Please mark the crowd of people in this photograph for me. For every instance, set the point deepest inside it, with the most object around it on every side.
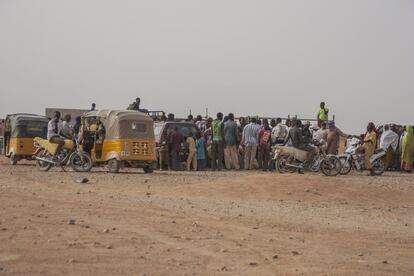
(247, 142)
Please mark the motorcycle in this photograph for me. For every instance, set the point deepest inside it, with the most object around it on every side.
(290, 159)
(70, 154)
(354, 159)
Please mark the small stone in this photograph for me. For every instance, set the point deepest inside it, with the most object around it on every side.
(360, 254)
(275, 257)
(113, 229)
(71, 261)
(3, 229)
(72, 222)
(385, 262)
(148, 194)
(253, 264)
(224, 268)
(42, 205)
(295, 253)
(109, 247)
(83, 181)
(142, 274)
(106, 230)
(174, 222)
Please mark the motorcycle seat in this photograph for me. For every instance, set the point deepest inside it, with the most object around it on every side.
(52, 147)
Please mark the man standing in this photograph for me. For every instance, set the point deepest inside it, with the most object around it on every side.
(264, 146)
(192, 153)
(176, 140)
(231, 138)
(250, 139)
(217, 149)
(389, 142)
(93, 107)
(334, 135)
(322, 114)
(279, 132)
(66, 127)
(201, 124)
(54, 127)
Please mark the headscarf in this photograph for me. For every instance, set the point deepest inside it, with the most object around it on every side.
(370, 127)
(408, 145)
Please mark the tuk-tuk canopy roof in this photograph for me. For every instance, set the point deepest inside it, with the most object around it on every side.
(15, 118)
(15, 122)
(124, 124)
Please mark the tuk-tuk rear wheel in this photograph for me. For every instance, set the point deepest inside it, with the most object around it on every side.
(114, 166)
(148, 170)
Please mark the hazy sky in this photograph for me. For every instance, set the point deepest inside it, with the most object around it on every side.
(259, 57)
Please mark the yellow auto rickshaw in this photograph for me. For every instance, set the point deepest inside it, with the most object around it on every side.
(19, 131)
(119, 138)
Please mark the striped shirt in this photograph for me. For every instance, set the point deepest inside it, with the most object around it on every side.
(251, 134)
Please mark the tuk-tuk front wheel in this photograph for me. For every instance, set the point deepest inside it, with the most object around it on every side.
(14, 159)
(114, 166)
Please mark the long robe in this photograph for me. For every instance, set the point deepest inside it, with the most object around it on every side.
(407, 149)
(370, 142)
(333, 140)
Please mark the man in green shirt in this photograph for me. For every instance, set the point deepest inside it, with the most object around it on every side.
(322, 114)
(217, 147)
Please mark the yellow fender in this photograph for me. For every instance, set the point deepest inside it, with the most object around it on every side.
(112, 155)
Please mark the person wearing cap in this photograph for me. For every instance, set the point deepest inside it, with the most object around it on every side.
(334, 135)
(322, 115)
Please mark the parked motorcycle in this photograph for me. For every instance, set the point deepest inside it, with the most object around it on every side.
(70, 154)
(353, 159)
(289, 159)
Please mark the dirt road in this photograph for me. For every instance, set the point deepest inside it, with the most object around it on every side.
(228, 223)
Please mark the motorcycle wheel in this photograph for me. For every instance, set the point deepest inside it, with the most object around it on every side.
(41, 165)
(81, 162)
(378, 167)
(346, 165)
(331, 166)
(314, 167)
(281, 167)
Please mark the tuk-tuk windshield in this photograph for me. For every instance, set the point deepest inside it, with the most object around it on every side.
(29, 129)
(135, 129)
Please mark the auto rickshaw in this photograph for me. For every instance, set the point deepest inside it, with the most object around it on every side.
(119, 138)
(19, 131)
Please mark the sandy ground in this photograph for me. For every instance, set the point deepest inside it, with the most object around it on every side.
(228, 223)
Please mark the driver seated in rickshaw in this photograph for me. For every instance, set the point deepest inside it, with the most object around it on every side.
(100, 132)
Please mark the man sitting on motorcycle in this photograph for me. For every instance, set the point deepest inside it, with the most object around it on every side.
(298, 141)
(54, 127)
